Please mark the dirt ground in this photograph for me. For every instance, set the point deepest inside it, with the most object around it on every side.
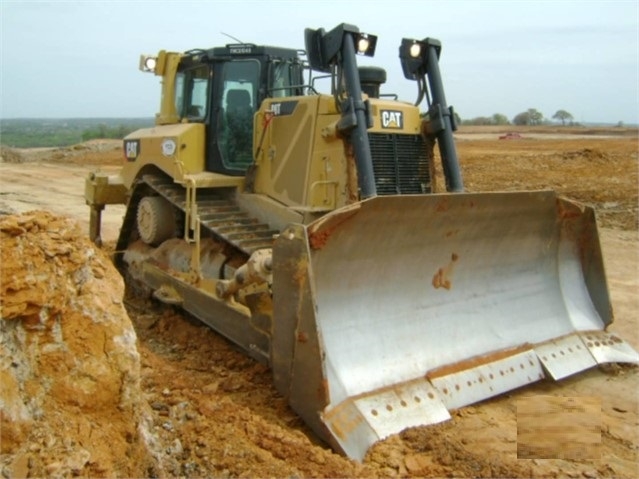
(216, 413)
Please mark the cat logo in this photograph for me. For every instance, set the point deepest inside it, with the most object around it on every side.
(283, 108)
(392, 119)
(131, 149)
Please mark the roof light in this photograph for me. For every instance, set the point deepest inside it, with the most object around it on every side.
(414, 56)
(365, 44)
(362, 45)
(148, 63)
(415, 50)
(322, 47)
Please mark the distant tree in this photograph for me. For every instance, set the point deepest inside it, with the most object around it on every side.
(529, 117)
(103, 131)
(563, 116)
(536, 117)
(122, 131)
(620, 124)
(522, 118)
(499, 119)
(479, 120)
(495, 119)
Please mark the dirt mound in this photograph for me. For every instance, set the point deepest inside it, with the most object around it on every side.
(602, 173)
(217, 411)
(69, 367)
(587, 154)
(103, 152)
(93, 152)
(9, 155)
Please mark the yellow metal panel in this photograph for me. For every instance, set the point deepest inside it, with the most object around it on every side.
(394, 117)
(167, 68)
(177, 149)
(285, 150)
(298, 165)
(326, 105)
(328, 175)
(304, 162)
(100, 189)
(208, 179)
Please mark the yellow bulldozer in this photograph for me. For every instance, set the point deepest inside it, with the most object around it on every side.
(306, 228)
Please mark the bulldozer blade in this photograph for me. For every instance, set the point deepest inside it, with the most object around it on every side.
(393, 311)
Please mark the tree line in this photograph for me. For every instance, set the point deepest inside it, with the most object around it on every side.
(530, 117)
(33, 132)
(103, 131)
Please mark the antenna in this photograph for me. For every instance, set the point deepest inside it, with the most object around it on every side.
(231, 37)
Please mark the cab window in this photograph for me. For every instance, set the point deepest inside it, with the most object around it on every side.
(191, 93)
(283, 76)
(238, 102)
(179, 93)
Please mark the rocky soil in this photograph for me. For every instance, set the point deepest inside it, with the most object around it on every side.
(70, 368)
(96, 386)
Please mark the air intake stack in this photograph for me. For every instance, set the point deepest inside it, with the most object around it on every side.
(370, 79)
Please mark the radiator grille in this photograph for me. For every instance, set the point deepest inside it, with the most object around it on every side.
(400, 163)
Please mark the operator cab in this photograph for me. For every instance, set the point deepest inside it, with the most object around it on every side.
(223, 88)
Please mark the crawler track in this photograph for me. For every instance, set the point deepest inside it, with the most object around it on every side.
(220, 217)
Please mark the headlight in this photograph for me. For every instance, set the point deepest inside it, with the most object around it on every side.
(415, 50)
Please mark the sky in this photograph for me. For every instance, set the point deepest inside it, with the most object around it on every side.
(74, 59)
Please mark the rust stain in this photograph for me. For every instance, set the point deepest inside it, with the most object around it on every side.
(318, 239)
(299, 271)
(442, 206)
(344, 419)
(441, 279)
(323, 391)
(475, 362)
(319, 233)
(568, 210)
(302, 337)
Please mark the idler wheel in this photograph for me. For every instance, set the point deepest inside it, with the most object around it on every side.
(155, 219)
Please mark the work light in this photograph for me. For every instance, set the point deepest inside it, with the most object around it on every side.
(415, 50)
(148, 63)
(366, 44)
(322, 47)
(414, 56)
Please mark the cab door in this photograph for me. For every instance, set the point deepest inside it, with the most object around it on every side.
(230, 146)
